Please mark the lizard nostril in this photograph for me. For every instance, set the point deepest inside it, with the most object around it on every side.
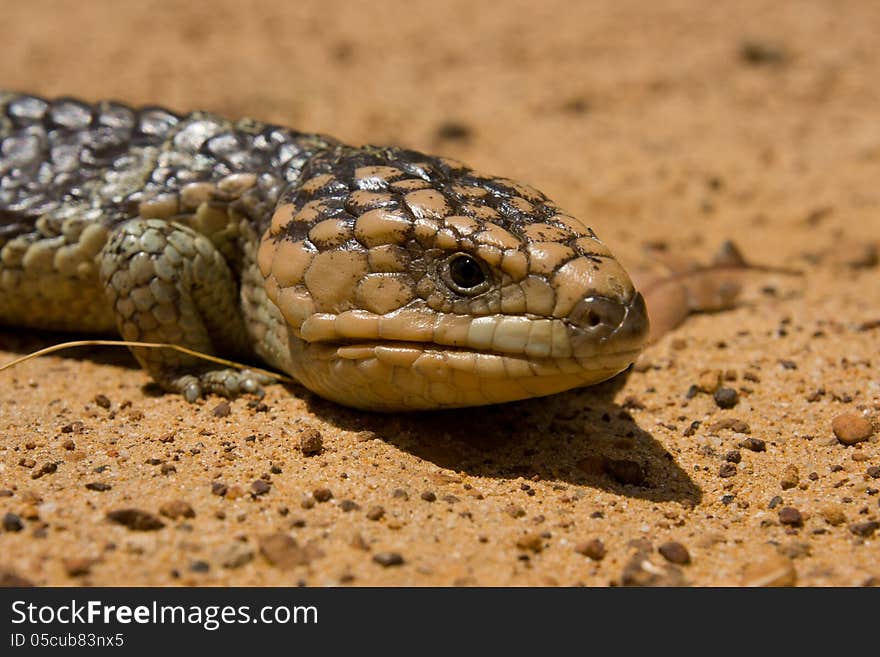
(598, 315)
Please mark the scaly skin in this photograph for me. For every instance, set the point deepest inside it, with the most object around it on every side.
(380, 278)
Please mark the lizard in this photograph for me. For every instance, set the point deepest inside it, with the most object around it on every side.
(378, 277)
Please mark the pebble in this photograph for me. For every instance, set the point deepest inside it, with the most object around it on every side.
(641, 571)
(260, 487)
(851, 428)
(532, 541)
(514, 511)
(5, 492)
(102, 400)
(709, 381)
(219, 489)
(726, 397)
(349, 505)
(795, 549)
(375, 513)
(753, 444)
(594, 549)
(727, 470)
(98, 486)
(10, 579)
(234, 493)
(429, 496)
(234, 555)
(873, 472)
(733, 456)
(177, 509)
(451, 130)
(675, 552)
(864, 529)
(74, 427)
(311, 442)
(200, 566)
(788, 515)
(776, 501)
(790, 477)
(282, 551)
(322, 494)
(46, 468)
(773, 571)
(223, 409)
(135, 519)
(833, 515)
(358, 542)
(387, 559)
(734, 424)
(78, 566)
(625, 471)
(69, 445)
(12, 523)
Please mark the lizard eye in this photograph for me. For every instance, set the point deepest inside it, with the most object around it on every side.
(464, 275)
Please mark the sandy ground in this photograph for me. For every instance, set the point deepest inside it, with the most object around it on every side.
(667, 124)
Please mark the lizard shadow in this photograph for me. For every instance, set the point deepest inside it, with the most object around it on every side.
(580, 437)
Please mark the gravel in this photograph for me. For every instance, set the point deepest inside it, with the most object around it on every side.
(78, 566)
(311, 442)
(675, 552)
(322, 494)
(864, 529)
(775, 571)
(851, 428)
(375, 513)
(833, 515)
(626, 472)
(533, 541)
(753, 444)
(388, 559)
(260, 487)
(790, 477)
(223, 409)
(594, 549)
(283, 552)
(726, 397)
(788, 515)
(135, 519)
(177, 509)
(12, 523)
(234, 555)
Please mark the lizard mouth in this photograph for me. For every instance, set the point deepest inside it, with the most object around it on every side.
(597, 329)
(411, 365)
(488, 364)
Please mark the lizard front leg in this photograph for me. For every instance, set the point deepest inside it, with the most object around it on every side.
(168, 283)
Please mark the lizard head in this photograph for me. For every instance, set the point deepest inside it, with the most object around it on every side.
(413, 282)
